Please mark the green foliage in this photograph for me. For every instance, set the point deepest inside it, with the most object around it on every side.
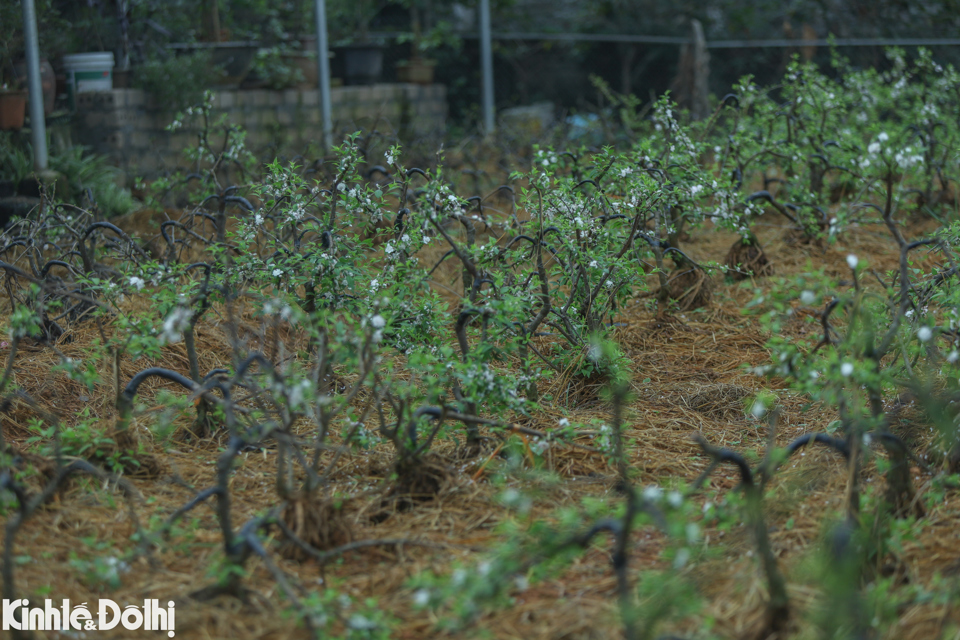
(176, 82)
(341, 261)
(103, 573)
(16, 162)
(85, 171)
(269, 66)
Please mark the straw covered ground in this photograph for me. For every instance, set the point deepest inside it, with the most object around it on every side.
(688, 375)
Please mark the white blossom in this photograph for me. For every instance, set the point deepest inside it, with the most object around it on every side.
(174, 325)
(853, 261)
(846, 369)
(924, 333)
(136, 282)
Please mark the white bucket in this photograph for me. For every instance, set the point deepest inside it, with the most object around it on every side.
(89, 72)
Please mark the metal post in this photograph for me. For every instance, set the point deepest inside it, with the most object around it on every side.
(486, 59)
(37, 124)
(323, 73)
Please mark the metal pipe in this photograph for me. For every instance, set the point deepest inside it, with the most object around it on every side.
(486, 59)
(779, 43)
(323, 73)
(38, 128)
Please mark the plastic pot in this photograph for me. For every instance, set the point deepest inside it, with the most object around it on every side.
(360, 63)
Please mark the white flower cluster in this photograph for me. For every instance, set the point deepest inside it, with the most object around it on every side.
(907, 158)
(296, 212)
(604, 438)
(929, 113)
(546, 159)
(276, 306)
(297, 392)
(681, 143)
(539, 445)
(378, 323)
(175, 324)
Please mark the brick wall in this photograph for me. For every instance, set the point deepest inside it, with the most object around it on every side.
(128, 127)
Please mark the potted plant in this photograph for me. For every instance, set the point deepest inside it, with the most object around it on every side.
(418, 69)
(48, 81)
(360, 61)
(13, 107)
(13, 98)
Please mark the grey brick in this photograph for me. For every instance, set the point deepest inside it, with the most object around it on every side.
(136, 98)
(259, 98)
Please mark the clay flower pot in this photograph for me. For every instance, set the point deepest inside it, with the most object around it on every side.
(13, 108)
(48, 81)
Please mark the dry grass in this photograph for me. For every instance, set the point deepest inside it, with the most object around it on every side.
(688, 375)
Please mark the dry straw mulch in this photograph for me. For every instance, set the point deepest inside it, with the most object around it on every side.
(688, 374)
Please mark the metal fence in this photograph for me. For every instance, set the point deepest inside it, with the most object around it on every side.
(485, 35)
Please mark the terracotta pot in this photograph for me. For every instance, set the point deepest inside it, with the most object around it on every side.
(13, 109)
(48, 81)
